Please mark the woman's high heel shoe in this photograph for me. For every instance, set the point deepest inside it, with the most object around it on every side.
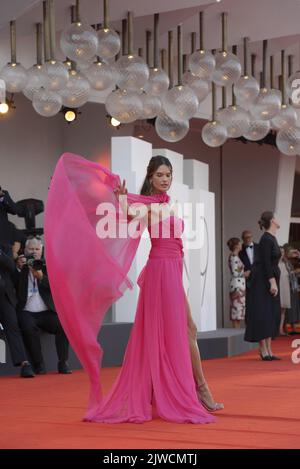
(265, 358)
(205, 397)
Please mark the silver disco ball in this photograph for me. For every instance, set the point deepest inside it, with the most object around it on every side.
(101, 75)
(288, 141)
(125, 106)
(158, 82)
(171, 130)
(46, 103)
(235, 119)
(200, 86)
(228, 69)
(132, 71)
(77, 91)
(57, 75)
(202, 64)
(109, 43)
(267, 104)
(36, 81)
(180, 103)
(258, 129)
(286, 117)
(151, 106)
(246, 90)
(293, 88)
(79, 42)
(15, 77)
(214, 134)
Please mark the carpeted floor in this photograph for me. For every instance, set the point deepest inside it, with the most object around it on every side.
(262, 409)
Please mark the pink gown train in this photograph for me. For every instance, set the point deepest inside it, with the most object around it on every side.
(87, 274)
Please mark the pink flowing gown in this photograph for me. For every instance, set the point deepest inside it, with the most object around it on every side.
(87, 274)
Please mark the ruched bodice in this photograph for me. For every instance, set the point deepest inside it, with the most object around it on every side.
(166, 238)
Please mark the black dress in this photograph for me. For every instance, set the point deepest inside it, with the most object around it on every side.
(263, 309)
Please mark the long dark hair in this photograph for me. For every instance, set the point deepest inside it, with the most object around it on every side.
(154, 164)
(265, 220)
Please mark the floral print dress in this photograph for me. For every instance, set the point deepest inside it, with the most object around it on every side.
(237, 289)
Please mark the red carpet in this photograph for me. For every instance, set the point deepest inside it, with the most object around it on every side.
(262, 410)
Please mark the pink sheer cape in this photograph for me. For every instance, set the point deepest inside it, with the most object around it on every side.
(87, 274)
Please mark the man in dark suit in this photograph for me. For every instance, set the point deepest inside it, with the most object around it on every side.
(36, 309)
(8, 317)
(249, 256)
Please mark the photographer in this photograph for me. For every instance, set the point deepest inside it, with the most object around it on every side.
(8, 317)
(36, 308)
(7, 205)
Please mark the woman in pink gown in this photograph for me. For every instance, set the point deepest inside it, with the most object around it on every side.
(161, 373)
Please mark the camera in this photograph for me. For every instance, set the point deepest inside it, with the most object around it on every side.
(35, 264)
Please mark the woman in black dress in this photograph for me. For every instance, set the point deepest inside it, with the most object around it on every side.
(263, 308)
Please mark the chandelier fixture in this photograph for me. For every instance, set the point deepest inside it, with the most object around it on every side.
(100, 60)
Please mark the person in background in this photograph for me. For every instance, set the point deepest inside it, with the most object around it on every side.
(237, 289)
(8, 317)
(36, 308)
(7, 205)
(293, 313)
(285, 289)
(263, 315)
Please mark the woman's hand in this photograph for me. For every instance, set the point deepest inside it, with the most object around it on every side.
(121, 190)
(247, 273)
(273, 287)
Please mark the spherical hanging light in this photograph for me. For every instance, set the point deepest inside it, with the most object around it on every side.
(56, 75)
(83, 66)
(151, 106)
(235, 119)
(228, 69)
(201, 63)
(13, 73)
(79, 41)
(246, 90)
(101, 75)
(15, 77)
(36, 80)
(36, 76)
(287, 116)
(109, 43)
(56, 72)
(132, 72)
(288, 141)
(258, 129)
(180, 103)
(158, 82)
(124, 105)
(169, 129)
(200, 86)
(268, 102)
(46, 103)
(214, 134)
(77, 91)
(266, 105)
